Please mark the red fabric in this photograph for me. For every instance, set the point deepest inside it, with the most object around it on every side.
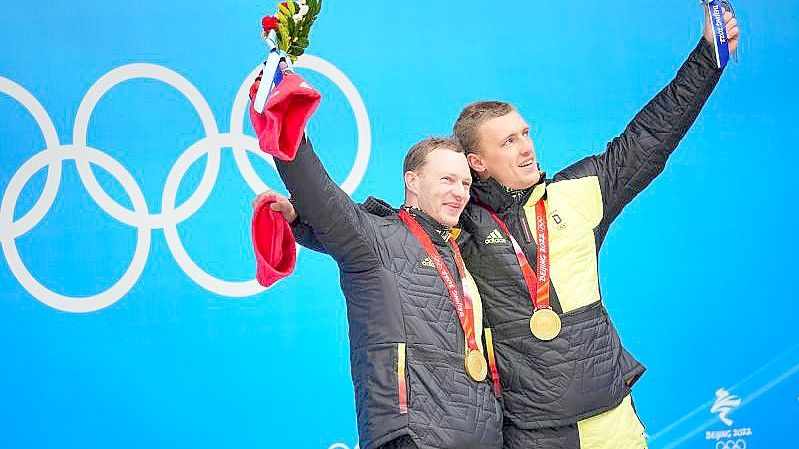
(273, 241)
(287, 111)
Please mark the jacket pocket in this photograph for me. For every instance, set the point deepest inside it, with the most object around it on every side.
(449, 408)
(379, 375)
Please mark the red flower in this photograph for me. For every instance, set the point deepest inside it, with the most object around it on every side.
(269, 23)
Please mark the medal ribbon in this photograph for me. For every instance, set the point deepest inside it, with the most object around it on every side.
(462, 303)
(492, 363)
(720, 44)
(537, 283)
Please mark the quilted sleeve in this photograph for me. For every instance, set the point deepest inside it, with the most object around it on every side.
(304, 235)
(634, 158)
(340, 227)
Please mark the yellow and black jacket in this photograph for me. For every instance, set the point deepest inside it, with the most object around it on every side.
(585, 370)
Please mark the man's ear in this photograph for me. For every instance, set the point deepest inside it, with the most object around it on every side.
(476, 163)
(412, 182)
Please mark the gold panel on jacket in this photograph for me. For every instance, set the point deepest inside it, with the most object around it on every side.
(574, 209)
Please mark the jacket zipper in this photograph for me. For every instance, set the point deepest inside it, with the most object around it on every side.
(525, 226)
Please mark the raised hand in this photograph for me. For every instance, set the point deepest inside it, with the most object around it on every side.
(731, 24)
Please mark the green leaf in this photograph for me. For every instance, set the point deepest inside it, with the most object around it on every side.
(286, 12)
(290, 25)
(291, 7)
(284, 37)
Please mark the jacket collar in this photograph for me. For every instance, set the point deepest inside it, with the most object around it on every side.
(502, 199)
(438, 233)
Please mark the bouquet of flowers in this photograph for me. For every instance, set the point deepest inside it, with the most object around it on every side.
(286, 36)
(291, 26)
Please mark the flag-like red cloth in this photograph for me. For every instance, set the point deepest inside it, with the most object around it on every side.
(273, 240)
(280, 128)
(288, 109)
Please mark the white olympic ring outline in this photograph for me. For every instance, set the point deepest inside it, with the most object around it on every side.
(343, 446)
(731, 444)
(171, 215)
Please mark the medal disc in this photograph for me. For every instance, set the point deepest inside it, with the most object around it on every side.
(476, 366)
(545, 324)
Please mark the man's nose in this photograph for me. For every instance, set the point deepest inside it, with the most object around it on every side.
(527, 147)
(460, 190)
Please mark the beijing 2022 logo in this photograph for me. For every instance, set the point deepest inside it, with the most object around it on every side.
(139, 217)
(729, 437)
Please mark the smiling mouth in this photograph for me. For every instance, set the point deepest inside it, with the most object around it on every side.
(527, 163)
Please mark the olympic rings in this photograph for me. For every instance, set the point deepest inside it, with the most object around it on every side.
(139, 217)
(731, 444)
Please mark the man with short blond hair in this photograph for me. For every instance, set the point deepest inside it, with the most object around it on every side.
(467, 126)
(415, 319)
(532, 245)
(533, 250)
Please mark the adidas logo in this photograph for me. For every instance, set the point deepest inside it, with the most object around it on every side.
(495, 237)
(428, 263)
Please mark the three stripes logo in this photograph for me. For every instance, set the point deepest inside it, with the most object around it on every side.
(495, 237)
(428, 263)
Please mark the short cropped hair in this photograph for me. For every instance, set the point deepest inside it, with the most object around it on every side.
(474, 115)
(417, 155)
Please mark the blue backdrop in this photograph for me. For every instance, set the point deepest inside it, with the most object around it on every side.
(128, 314)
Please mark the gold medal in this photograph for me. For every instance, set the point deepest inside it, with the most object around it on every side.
(545, 324)
(476, 366)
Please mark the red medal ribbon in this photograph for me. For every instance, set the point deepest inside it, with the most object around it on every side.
(537, 283)
(462, 303)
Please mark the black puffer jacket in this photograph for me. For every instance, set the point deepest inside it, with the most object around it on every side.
(404, 332)
(585, 370)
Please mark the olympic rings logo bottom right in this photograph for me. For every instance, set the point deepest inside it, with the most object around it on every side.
(731, 444)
